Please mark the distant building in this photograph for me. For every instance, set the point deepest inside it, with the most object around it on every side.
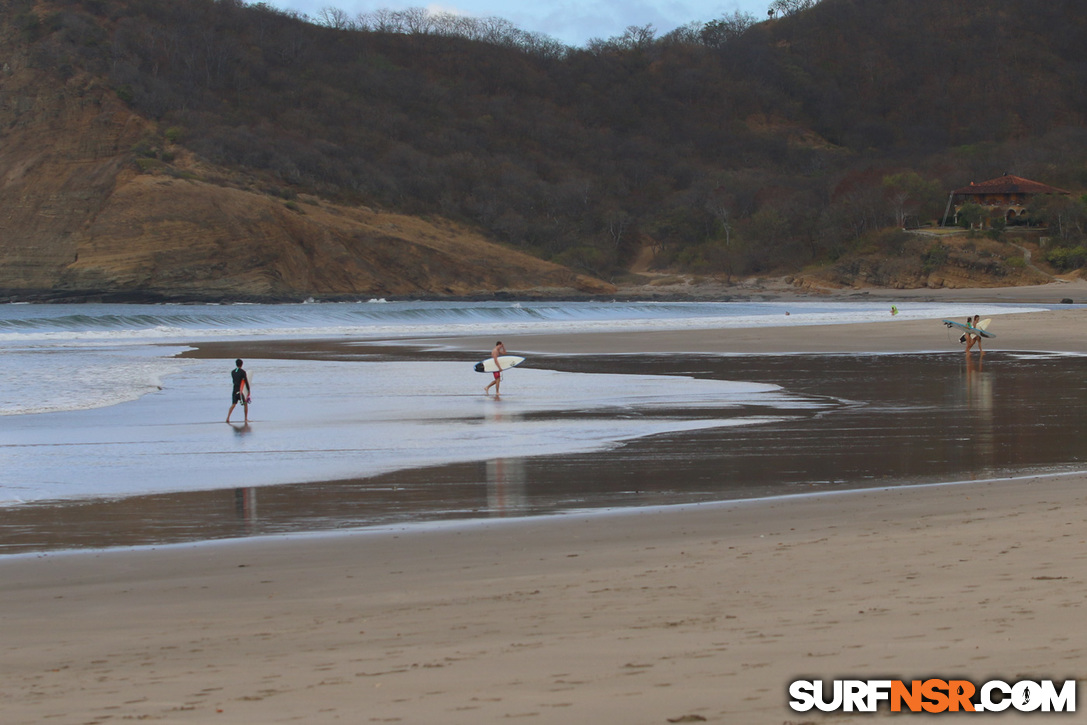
(1005, 196)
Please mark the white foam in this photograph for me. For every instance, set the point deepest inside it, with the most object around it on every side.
(121, 324)
(50, 379)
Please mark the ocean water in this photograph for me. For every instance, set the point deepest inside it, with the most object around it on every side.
(96, 405)
(76, 357)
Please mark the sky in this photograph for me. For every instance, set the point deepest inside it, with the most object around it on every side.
(572, 22)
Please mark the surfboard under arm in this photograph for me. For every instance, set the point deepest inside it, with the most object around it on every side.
(505, 362)
(979, 330)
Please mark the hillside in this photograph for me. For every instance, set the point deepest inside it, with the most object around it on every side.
(83, 216)
(211, 148)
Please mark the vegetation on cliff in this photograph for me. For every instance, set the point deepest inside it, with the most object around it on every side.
(734, 147)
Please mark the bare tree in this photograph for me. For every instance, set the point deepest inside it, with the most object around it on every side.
(635, 37)
(719, 32)
(791, 7)
(416, 21)
(720, 204)
(336, 19)
(382, 20)
(421, 21)
(689, 34)
(638, 36)
(619, 221)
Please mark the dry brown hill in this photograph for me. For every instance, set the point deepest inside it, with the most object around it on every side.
(83, 215)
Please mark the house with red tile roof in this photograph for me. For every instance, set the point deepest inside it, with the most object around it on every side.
(1006, 196)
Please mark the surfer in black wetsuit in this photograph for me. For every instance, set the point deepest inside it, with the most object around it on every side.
(238, 376)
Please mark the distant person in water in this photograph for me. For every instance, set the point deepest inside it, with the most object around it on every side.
(972, 337)
(238, 376)
(499, 349)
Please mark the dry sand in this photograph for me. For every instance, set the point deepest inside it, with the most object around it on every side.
(651, 616)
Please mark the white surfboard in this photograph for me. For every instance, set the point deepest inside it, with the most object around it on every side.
(504, 363)
(244, 391)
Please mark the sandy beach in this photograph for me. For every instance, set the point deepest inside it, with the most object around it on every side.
(699, 613)
(645, 617)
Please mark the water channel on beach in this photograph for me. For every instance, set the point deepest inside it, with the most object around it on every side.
(851, 421)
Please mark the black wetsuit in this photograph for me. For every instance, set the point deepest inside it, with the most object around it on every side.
(238, 375)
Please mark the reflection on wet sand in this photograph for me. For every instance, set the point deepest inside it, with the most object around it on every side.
(245, 505)
(505, 476)
(897, 419)
(506, 484)
(979, 400)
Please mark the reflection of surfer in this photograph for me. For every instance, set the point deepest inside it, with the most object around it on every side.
(972, 338)
(241, 390)
(245, 505)
(499, 349)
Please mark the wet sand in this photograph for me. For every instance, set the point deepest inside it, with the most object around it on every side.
(1059, 330)
(678, 614)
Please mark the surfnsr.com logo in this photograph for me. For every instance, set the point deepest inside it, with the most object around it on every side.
(933, 695)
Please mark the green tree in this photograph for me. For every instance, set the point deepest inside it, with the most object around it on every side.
(934, 257)
(970, 215)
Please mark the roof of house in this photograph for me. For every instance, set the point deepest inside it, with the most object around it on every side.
(1008, 184)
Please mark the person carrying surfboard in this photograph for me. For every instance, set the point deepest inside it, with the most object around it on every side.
(973, 338)
(241, 390)
(963, 336)
(499, 349)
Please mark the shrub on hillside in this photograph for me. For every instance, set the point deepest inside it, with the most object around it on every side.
(1067, 258)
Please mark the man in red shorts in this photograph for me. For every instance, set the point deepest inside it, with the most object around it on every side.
(499, 349)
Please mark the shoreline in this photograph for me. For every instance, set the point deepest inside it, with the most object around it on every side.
(1057, 330)
(690, 290)
(462, 525)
